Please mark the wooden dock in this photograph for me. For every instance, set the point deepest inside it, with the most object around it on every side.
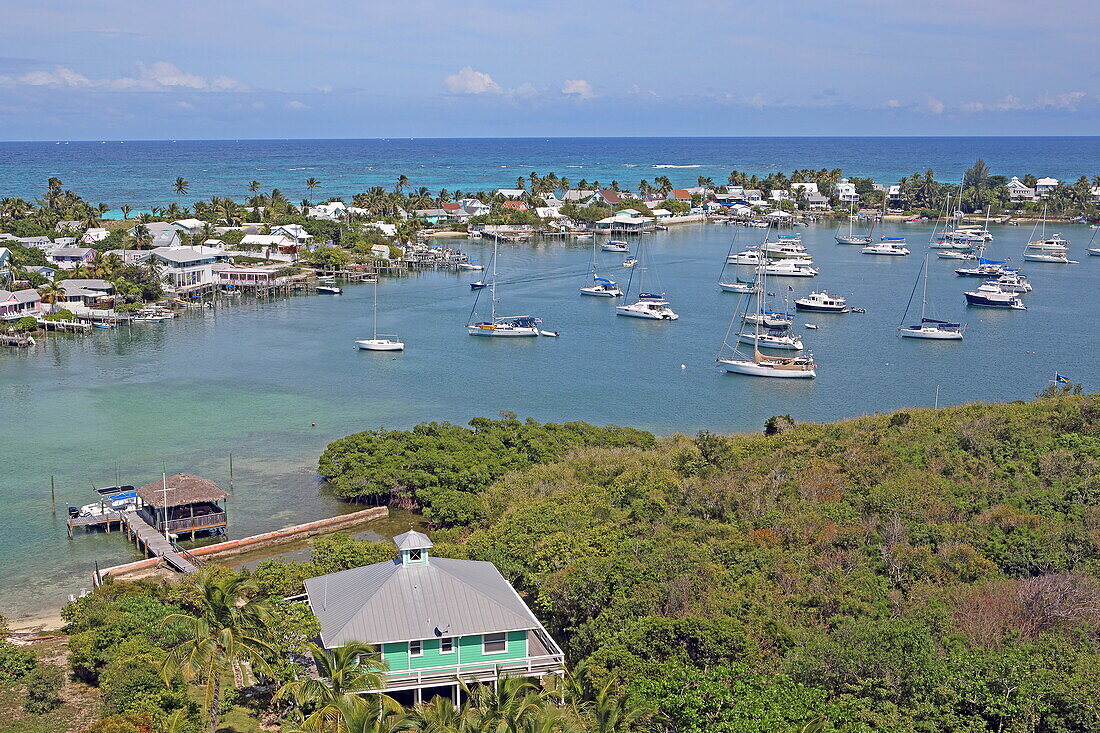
(141, 532)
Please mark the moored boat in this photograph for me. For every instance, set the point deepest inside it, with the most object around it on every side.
(992, 295)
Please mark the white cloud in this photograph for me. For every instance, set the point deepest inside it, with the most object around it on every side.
(160, 76)
(933, 105)
(524, 90)
(1009, 102)
(578, 88)
(468, 81)
(756, 101)
(1067, 101)
(972, 107)
(295, 105)
(183, 106)
(892, 103)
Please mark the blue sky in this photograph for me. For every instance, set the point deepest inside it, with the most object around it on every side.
(117, 69)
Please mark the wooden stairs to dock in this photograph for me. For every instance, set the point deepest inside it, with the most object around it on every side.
(145, 535)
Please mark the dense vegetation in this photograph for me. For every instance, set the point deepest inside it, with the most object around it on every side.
(443, 468)
(926, 570)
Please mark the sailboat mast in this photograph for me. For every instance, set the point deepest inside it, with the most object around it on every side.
(924, 294)
(376, 306)
(493, 282)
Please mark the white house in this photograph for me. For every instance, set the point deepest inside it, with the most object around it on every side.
(846, 191)
(816, 201)
(1020, 191)
(297, 232)
(511, 193)
(249, 276)
(474, 207)
(84, 291)
(1044, 186)
(69, 258)
(187, 268)
(780, 194)
(806, 187)
(190, 226)
(893, 193)
(95, 234)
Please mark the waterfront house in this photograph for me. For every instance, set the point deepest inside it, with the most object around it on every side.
(296, 232)
(69, 258)
(188, 268)
(474, 207)
(249, 276)
(432, 216)
(816, 201)
(625, 223)
(276, 242)
(42, 243)
(433, 620)
(1044, 186)
(660, 214)
(19, 303)
(805, 187)
(753, 197)
(779, 194)
(511, 193)
(548, 212)
(1018, 191)
(577, 195)
(84, 292)
(515, 206)
(183, 504)
(893, 194)
(846, 191)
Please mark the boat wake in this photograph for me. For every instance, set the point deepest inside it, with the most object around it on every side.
(670, 165)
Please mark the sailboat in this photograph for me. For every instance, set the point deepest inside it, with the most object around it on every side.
(650, 306)
(383, 341)
(1054, 250)
(851, 237)
(601, 287)
(928, 328)
(737, 285)
(500, 325)
(760, 365)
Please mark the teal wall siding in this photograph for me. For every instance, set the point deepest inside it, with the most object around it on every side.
(467, 650)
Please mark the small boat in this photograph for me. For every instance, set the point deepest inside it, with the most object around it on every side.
(785, 251)
(945, 244)
(329, 290)
(149, 318)
(810, 326)
(739, 287)
(1054, 244)
(985, 269)
(615, 246)
(851, 237)
(549, 334)
(470, 266)
(956, 255)
(992, 295)
(789, 238)
(751, 256)
(822, 302)
(791, 367)
(1093, 251)
(103, 325)
(630, 262)
(889, 246)
(601, 287)
(478, 285)
(505, 326)
(769, 319)
(379, 341)
(1014, 281)
(652, 306)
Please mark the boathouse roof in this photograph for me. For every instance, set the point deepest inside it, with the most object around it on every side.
(394, 601)
(183, 489)
(412, 540)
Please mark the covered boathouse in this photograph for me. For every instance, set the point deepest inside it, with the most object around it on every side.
(433, 620)
(184, 504)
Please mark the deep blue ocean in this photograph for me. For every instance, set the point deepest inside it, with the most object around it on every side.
(273, 382)
(141, 173)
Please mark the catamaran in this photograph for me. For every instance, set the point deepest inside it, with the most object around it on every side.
(501, 326)
(380, 341)
(601, 287)
(650, 306)
(892, 246)
(928, 328)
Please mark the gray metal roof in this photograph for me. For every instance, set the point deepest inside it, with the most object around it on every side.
(389, 602)
(412, 540)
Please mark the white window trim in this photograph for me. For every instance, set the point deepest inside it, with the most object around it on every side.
(420, 645)
(485, 651)
(449, 638)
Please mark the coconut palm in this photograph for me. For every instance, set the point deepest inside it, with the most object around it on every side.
(254, 187)
(51, 292)
(312, 183)
(343, 673)
(125, 209)
(227, 637)
(616, 713)
(181, 185)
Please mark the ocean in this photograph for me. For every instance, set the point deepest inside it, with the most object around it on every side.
(273, 382)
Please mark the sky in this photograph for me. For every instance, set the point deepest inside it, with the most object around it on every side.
(117, 69)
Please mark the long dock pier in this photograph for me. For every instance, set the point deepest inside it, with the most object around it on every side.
(141, 532)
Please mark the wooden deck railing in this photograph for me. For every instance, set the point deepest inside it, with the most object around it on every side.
(215, 519)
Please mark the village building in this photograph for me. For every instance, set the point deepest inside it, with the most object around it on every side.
(183, 504)
(69, 258)
(84, 292)
(188, 268)
(1018, 191)
(1044, 186)
(19, 303)
(433, 620)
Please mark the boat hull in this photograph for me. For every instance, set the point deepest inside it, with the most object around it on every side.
(753, 369)
(821, 308)
(739, 288)
(856, 241)
(598, 293)
(932, 334)
(630, 313)
(379, 345)
(502, 332)
(765, 343)
(982, 301)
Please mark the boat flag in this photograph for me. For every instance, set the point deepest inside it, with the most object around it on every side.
(1059, 379)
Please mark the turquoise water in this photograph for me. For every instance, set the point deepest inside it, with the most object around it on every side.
(251, 378)
(141, 173)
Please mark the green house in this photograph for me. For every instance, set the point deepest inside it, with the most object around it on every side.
(435, 620)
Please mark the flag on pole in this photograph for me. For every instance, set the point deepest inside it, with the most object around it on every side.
(1058, 378)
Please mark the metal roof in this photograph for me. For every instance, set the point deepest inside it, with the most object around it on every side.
(390, 602)
(412, 540)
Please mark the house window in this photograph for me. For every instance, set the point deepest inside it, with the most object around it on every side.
(415, 555)
(494, 643)
(416, 648)
(446, 645)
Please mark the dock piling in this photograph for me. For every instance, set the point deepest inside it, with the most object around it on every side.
(53, 496)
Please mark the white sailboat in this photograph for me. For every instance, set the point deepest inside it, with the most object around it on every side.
(601, 287)
(928, 328)
(500, 326)
(380, 341)
(851, 237)
(649, 306)
(736, 285)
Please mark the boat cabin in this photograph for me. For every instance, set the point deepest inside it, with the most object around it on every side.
(184, 504)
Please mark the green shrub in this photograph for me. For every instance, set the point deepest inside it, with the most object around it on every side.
(14, 662)
(44, 685)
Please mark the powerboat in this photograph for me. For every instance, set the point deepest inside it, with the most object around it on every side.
(769, 319)
(789, 268)
(1054, 244)
(470, 266)
(985, 269)
(112, 499)
(478, 285)
(651, 306)
(991, 295)
(601, 287)
(1014, 281)
(785, 251)
(746, 257)
(822, 302)
(944, 254)
(890, 246)
(630, 262)
(329, 290)
(615, 246)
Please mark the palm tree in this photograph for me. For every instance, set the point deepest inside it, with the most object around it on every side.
(181, 185)
(613, 713)
(343, 674)
(51, 292)
(143, 236)
(226, 637)
(125, 209)
(402, 182)
(312, 183)
(254, 187)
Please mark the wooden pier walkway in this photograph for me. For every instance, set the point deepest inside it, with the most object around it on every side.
(154, 544)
